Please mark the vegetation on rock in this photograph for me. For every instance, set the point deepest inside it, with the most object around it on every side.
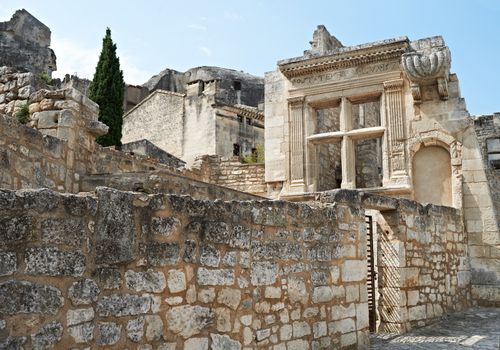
(23, 114)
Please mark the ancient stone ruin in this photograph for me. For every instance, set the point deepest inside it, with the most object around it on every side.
(376, 210)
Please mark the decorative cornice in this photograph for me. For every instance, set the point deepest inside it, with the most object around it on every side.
(345, 59)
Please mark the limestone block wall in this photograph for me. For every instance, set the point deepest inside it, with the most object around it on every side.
(231, 173)
(129, 270)
(422, 265)
(158, 118)
(16, 88)
(29, 159)
(482, 209)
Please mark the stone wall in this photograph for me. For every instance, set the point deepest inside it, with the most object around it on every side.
(25, 44)
(71, 161)
(29, 159)
(160, 119)
(482, 209)
(125, 269)
(16, 88)
(422, 265)
(231, 173)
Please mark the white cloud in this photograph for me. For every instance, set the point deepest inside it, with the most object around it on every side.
(198, 27)
(205, 50)
(73, 58)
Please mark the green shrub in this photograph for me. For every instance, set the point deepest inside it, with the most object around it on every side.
(257, 155)
(46, 78)
(23, 114)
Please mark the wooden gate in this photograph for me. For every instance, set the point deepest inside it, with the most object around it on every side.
(371, 275)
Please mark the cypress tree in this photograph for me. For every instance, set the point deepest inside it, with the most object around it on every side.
(107, 89)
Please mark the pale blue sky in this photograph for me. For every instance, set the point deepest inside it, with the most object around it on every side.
(252, 35)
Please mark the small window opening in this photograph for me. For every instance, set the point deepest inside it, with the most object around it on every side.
(237, 85)
(240, 119)
(236, 149)
(249, 121)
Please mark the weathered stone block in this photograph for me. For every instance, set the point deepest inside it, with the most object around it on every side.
(301, 329)
(417, 313)
(135, 329)
(297, 344)
(353, 270)
(54, 262)
(154, 327)
(115, 236)
(63, 231)
(123, 305)
(230, 297)
(216, 232)
(206, 277)
(27, 297)
(82, 333)
(161, 254)
(319, 329)
(78, 316)
(47, 336)
(108, 277)
(109, 333)
(189, 320)
(176, 281)
(322, 294)
(209, 256)
(297, 291)
(83, 292)
(223, 319)
(196, 344)
(206, 295)
(223, 342)
(164, 226)
(8, 264)
(264, 273)
(15, 230)
(343, 326)
(148, 281)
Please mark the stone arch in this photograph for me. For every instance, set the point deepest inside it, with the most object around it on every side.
(448, 143)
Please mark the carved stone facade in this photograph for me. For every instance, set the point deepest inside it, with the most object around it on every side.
(429, 150)
(408, 81)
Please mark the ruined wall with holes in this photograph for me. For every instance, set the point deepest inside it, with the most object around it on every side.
(125, 269)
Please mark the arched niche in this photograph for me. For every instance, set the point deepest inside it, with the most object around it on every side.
(432, 176)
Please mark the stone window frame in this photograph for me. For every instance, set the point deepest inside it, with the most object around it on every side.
(392, 88)
(491, 151)
(346, 135)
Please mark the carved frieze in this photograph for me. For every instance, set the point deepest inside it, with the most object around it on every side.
(343, 75)
(427, 65)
